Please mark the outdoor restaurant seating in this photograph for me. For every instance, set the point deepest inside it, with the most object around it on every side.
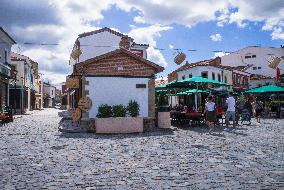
(186, 116)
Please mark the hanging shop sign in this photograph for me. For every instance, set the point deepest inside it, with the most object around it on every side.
(85, 103)
(72, 82)
(179, 58)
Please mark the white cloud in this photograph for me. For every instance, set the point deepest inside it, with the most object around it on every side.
(191, 12)
(220, 54)
(149, 35)
(277, 34)
(216, 37)
(75, 17)
(171, 46)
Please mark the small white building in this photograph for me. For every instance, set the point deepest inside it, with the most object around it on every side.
(113, 70)
(256, 59)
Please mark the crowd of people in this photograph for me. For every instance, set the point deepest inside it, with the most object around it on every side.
(243, 107)
(236, 110)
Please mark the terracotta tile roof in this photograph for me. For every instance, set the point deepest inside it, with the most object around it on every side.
(157, 67)
(209, 62)
(1, 29)
(19, 57)
(103, 30)
(259, 77)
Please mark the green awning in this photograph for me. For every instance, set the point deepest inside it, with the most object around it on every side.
(266, 89)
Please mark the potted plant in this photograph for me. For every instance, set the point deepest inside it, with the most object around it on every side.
(164, 119)
(115, 119)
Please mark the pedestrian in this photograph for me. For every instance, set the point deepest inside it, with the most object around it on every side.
(258, 109)
(210, 112)
(230, 114)
(247, 112)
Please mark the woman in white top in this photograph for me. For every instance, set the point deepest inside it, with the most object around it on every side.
(210, 111)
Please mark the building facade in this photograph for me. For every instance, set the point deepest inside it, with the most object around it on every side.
(113, 71)
(255, 59)
(49, 95)
(23, 91)
(6, 43)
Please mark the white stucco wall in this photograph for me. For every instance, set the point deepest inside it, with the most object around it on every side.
(196, 72)
(261, 60)
(89, 44)
(94, 45)
(117, 90)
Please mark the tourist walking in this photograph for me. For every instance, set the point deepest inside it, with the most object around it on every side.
(210, 112)
(230, 114)
(258, 109)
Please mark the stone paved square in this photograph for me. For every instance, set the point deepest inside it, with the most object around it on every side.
(34, 155)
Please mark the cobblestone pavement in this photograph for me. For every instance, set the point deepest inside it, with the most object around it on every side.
(34, 155)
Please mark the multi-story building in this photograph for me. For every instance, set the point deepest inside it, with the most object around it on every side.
(49, 95)
(255, 59)
(6, 42)
(23, 90)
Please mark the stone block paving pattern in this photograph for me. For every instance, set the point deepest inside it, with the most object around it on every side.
(35, 155)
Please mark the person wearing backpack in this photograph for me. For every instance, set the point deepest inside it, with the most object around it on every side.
(258, 109)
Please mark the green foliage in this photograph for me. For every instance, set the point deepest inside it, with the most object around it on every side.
(162, 104)
(104, 111)
(119, 110)
(133, 108)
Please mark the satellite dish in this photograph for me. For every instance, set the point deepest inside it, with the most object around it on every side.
(274, 62)
(179, 58)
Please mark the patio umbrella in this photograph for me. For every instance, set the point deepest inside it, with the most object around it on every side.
(266, 89)
(195, 82)
(197, 91)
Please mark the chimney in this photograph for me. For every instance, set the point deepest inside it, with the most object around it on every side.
(216, 62)
(124, 43)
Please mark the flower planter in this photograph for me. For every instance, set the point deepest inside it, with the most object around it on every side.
(164, 120)
(119, 125)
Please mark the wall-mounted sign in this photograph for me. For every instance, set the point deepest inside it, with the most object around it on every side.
(140, 85)
(85, 103)
(73, 83)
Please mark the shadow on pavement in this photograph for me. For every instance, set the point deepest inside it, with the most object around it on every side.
(157, 132)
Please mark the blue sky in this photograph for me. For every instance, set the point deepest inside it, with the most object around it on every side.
(195, 38)
(204, 25)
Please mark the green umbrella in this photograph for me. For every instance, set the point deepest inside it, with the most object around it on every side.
(197, 91)
(184, 93)
(159, 91)
(266, 89)
(195, 81)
